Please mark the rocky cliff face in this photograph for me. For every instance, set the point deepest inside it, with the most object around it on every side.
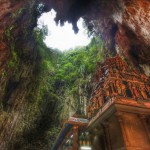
(18, 65)
(124, 25)
(133, 31)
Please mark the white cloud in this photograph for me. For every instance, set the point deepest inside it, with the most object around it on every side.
(62, 38)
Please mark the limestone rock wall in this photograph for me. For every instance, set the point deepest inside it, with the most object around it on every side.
(18, 62)
(133, 31)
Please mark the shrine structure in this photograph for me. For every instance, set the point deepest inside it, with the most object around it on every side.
(118, 111)
(71, 136)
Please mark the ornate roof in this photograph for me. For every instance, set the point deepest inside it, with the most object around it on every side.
(116, 79)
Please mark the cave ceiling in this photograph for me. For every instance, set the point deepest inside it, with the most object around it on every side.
(123, 24)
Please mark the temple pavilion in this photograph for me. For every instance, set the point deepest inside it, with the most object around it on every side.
(118, 113)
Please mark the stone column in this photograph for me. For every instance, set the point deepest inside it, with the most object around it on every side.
(120, 119)
(133, 131)
(106, 128)
(95, 137)
(143, 119)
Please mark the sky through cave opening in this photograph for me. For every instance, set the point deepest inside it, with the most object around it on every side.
(62, 37)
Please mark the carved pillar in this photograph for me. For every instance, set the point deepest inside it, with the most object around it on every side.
(106, 130)
(75, 138)
(95, 139)
(133, 131)
(91, 135)
(143, 119)
(120, 119)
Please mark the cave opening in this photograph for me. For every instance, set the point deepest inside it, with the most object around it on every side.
(61, 36)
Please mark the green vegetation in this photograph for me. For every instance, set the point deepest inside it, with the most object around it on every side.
(73, 73)
(78, 63)
(51, 83)
(60, 76)
(14, 58)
